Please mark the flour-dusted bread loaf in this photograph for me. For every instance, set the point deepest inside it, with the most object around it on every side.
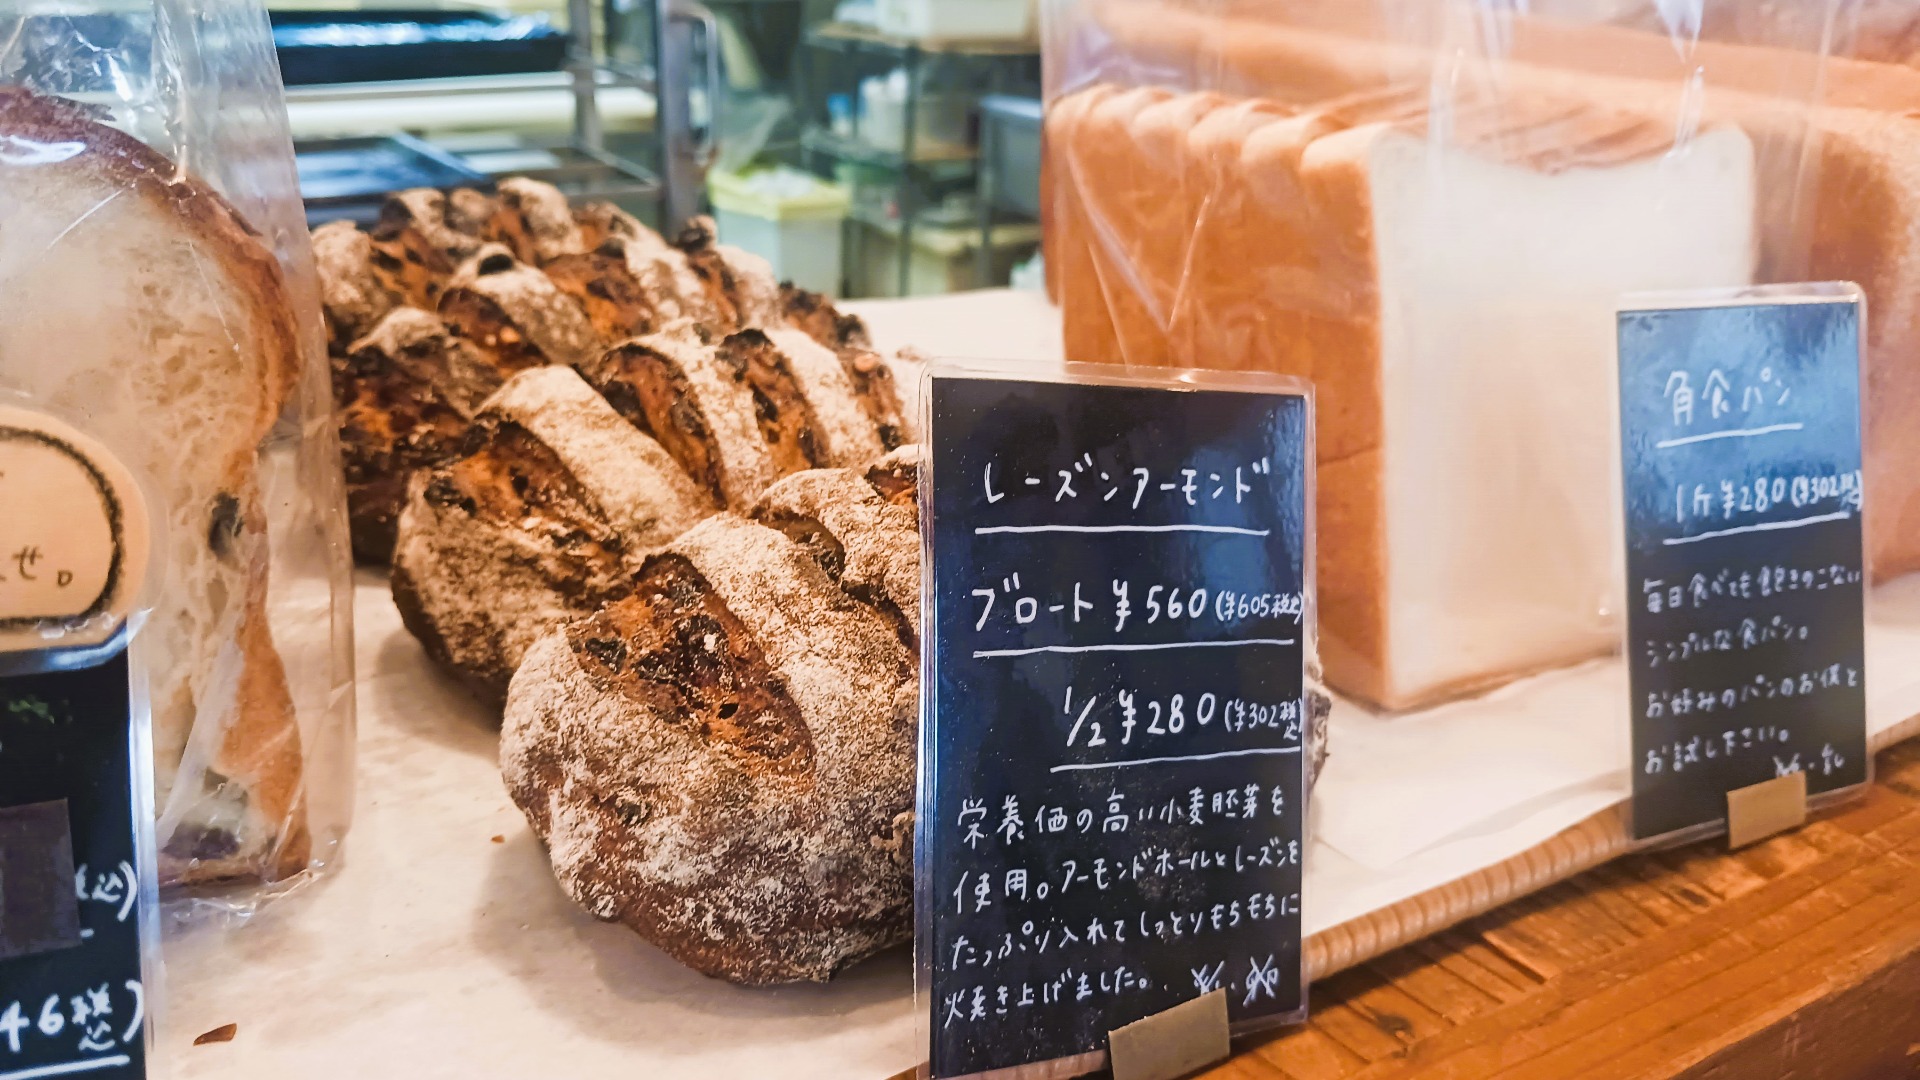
(432, 233)
(815, 316)
(516, 314)
(535, 221)
(543, 519)
(738, 288)
(863, 527)
(405, 395)
(360, 281)
(723, 760)
(136, 301)
(846, 428)
(600, 222)
(618, 303)
(674, 386)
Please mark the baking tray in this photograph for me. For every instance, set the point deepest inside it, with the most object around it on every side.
(350, 178)
(321, 47)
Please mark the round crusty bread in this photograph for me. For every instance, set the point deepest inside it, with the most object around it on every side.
(723, 761)
(135, 300)
(542, 521)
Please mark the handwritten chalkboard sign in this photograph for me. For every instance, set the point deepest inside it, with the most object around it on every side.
(71, 998)
(1746, 597)
(1112, 748)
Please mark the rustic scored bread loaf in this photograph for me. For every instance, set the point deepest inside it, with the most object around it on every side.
(862, 527)
(602, 278)
(617, 302)
(516, 314)
(360, 281)
(543, 519)
(135, 300)
(535, 221)
(723, 760)
(814, 315)
(675, 386)
(405, 395)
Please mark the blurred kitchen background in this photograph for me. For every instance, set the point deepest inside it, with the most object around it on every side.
(866, 147)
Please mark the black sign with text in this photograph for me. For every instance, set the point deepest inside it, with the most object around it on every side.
(1112, 755)
(71, 997)
(1746, 597)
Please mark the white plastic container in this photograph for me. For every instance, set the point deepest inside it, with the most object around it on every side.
(957, 20)
(792, 219)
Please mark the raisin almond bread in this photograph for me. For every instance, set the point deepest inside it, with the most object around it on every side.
(723, 760)
(543, 519)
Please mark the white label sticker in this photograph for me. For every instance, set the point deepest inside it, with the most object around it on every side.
(73, 534)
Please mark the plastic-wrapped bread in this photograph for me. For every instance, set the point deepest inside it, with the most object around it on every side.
(165, 325)
(544, 519)
(862, 527)
(673, 386)
(516, 314)
(534, 220)
(405, 395)
(723, 760)
(1141, 211)
(1088, 326)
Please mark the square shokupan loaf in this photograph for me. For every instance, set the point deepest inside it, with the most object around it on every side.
(1454, 308)
(1839, 185)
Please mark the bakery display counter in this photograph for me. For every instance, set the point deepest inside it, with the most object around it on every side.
(443, 946)
(1798, 957)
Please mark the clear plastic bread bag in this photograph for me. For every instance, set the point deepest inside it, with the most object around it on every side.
(1431, 208)
(156, 286)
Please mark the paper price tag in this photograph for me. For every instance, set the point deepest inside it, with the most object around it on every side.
(73, 535)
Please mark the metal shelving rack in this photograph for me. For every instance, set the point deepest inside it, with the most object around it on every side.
(587, 167)
(999, 66)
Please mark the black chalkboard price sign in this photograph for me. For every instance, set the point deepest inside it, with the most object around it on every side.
(1112, 743)
(71, 993)
(1741, 434)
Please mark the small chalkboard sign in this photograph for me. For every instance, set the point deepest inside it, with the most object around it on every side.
(1740, 418)
(75, 824)
(71, 997)
(1114, 720)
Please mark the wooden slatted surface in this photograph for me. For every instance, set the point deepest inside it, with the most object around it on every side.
(1799, 957)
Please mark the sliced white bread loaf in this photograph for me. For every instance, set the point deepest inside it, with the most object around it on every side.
(135, 300)
(1454, 309)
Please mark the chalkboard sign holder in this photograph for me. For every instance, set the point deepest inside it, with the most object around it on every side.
(1178, 393)
(1768, 380)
